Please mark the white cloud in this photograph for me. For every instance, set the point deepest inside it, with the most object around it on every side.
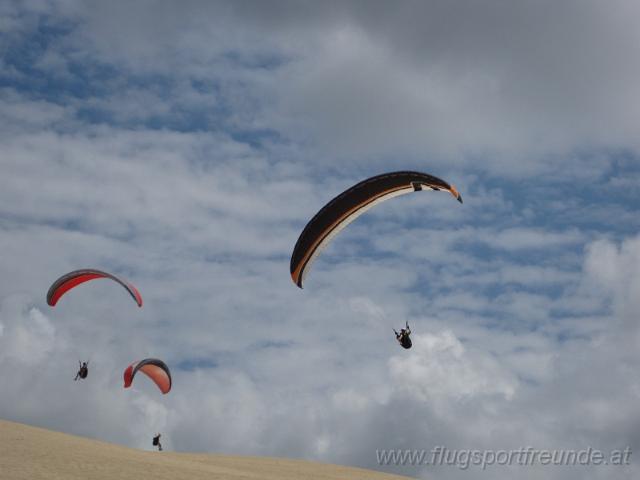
(613, 271)
(359, 83)
(440, 367)
(30, 336)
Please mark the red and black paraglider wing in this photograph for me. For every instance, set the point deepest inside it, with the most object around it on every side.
(75, 278)
(153, 368)
(348, 206)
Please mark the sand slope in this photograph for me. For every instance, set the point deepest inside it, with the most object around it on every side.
(32, 453)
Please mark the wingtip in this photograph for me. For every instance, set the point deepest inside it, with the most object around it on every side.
(455, 193)
(297, 279)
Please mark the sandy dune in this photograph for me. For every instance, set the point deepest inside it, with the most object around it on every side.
(34, 453)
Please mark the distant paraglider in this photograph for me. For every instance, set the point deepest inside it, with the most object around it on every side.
(404, 337)
(155, 369)
(83, 371)
(75, 278)
(348, 206)
(156, 442)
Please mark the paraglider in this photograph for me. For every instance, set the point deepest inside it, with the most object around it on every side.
(348, 206)
(83, 371)
(155, 369)
(403, 337)
(156, 442)
(75, 278)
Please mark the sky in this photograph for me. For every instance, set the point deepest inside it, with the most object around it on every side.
(185, 146)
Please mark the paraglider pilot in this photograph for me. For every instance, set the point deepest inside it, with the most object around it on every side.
(403, 336)
(84, 370)
(156, 442)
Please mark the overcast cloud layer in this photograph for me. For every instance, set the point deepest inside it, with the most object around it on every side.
(185, 146)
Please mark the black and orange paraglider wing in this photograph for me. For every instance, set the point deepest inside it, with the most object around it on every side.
(72, 279)
(348, 206)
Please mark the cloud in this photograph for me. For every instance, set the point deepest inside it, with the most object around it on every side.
(29, 336)
(360, 83)
(613, 270)
(440, 367)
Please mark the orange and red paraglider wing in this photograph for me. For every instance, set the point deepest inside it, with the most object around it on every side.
(153, 368)
(77, 277)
